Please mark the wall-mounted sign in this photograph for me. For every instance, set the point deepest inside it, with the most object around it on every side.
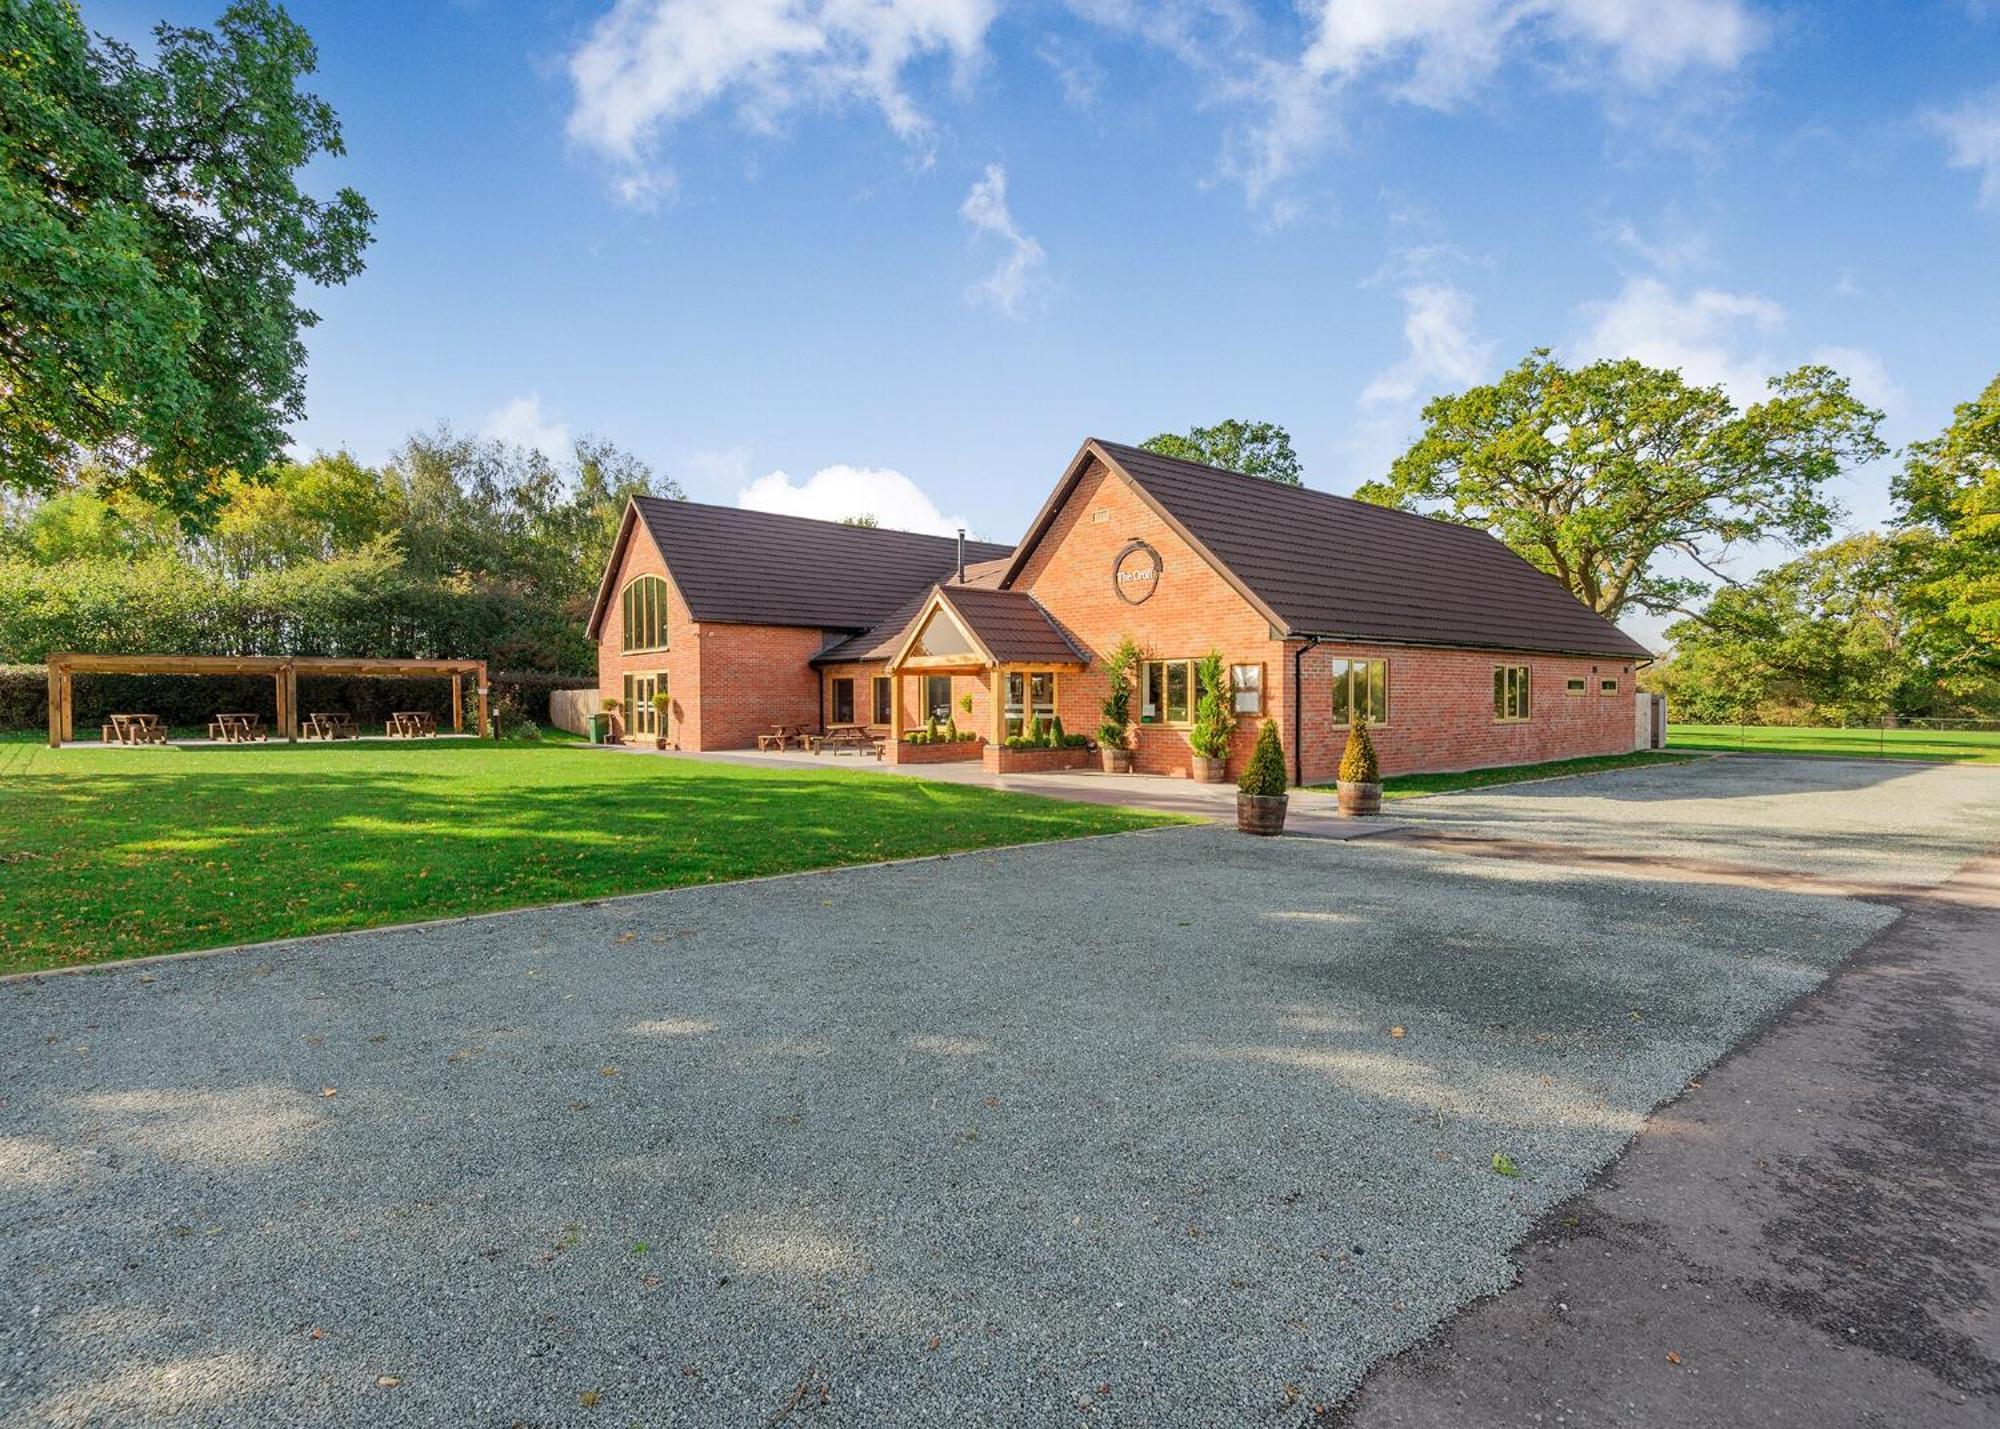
(1135, 575)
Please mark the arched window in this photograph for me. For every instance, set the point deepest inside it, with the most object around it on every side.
(645, 609)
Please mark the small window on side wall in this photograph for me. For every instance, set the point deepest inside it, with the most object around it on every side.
(1576, 685)
(1360, 686)
(1246, 689)
(1510, 692)
(1608, 687)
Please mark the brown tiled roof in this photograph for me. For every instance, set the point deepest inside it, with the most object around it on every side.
(1320, 564)
(1012, 625)
(760, 568)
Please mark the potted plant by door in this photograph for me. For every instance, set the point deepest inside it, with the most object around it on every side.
(611, 708)
(1112, 735)
(1260, 793)
(1214, 721)
(662, 708)
(1360, 783)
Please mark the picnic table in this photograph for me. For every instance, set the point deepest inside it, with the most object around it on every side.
(134, 729)
(411, 724)
(329, 726)
(236, 727)
(784, 734)
(852, 737)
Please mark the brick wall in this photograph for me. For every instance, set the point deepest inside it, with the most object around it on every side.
(1441, 710)
(680, 662)
(1192, 610)
(728, 683)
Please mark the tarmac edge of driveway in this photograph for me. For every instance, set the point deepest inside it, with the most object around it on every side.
(1809, 1234)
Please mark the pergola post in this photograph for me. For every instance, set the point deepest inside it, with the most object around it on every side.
(289, 682)
(895, 705)
(458, 704)
(999, 705)
(480, 675)
(57, 679)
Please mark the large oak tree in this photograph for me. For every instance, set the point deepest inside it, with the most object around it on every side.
(153, 235)
(1950, 494)
(1595, 472)
(1253, 448)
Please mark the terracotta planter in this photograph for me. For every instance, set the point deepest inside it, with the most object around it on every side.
(659, 741)
(1357, 800)
(1210, 771)
(1117, 759)
(1261, 813)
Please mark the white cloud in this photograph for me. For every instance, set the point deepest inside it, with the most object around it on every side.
(1445, 348)
(1435, 53)
(1715, 337)
(1008, 287)
(1972, 133)
(650, 64)
(1710, 335)
(1677, 248)
(1867, 376)
(522, 422)
(835, 492)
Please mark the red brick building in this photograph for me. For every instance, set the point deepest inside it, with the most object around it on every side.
(1461, 653)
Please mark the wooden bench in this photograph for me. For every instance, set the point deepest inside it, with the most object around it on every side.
(135, 729)
(237, 727)
(849, 737)
(329, 726)
(411, 724)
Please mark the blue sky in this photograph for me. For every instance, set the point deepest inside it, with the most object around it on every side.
(906, 254)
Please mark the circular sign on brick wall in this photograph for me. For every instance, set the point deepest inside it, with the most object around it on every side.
(1135, 575)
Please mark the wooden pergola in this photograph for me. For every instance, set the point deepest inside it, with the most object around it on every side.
(283, 669)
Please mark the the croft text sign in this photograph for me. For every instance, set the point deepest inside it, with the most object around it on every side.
(1136, 573)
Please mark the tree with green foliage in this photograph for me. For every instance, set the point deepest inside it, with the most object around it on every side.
(867, 520)
(1116, 711)
(1253, 448)
(1949, 491)
(152, 239)
(1214, 720)
(1594, 473)
(1265, 775)
(1819, 640)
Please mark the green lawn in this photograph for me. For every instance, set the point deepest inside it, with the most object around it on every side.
(1415, 786)
(1962, 747)
(114, 853)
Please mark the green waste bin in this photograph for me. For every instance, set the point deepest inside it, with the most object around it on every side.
(600, 729)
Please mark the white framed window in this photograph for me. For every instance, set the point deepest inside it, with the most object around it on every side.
(1246, 689)
(1510, 693)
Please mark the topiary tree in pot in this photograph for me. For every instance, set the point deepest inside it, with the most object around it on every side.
(1117, 709)
(663, 706)
(1260, 793)
(1214, 720)
(1360, 782)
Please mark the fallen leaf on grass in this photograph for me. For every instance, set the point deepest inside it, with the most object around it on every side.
(387, 1381)
(328, 1092)
(1673, 1358)
(1397, 1032)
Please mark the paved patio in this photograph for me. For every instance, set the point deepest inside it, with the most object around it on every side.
(1313, 813)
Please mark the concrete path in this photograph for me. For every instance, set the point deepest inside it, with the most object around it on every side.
(1809, 1237)
(1313, 813)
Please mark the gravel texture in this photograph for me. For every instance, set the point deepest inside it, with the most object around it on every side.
(1113, 1131)
(1868, 820)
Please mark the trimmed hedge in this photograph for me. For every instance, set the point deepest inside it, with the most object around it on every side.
(190, 700)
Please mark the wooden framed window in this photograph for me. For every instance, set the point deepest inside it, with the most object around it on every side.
(1361, 685)
(644, 608)
(1576, 685)
(882, 699)
(1608, 686)
(640, 716)
(841, 702)
(1167, 692)
(937, 697)
(1510, 693)
(1246, 689)
(1029, 695)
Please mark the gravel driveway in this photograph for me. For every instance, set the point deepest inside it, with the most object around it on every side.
(1107, 1132)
